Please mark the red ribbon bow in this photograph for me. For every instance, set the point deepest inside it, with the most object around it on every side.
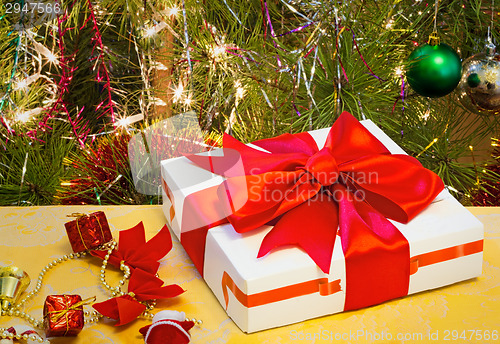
(136, 252)
(142, 287)
(143, 258)
(350, 187)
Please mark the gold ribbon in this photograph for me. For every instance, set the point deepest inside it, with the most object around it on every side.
(77, 215)
(100, 227)
(55, 316)
(80, 232)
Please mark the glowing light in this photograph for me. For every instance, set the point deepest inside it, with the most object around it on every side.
(173, 11)
(240, 91)
(158, 65)
(178, 93)
(188, 100)
(218, 51)
(149, 32)
(51, 57)
(398, 71)
(23, 117)
(28, 115)
(122, 122)
(389, 24)
(425, 115)
(21, 85)
(159, 102)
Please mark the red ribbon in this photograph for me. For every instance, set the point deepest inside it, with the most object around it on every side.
(142, 287)
(351, 186)
(143, 258)
(136, 252)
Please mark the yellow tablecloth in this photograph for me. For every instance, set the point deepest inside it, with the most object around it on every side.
(32, 237)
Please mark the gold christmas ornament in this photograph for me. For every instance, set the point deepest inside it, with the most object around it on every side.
(13, 281)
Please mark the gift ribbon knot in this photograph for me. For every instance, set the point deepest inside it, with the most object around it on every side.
(81, 216)
(323, 167)
(55, 316)
(352, 187)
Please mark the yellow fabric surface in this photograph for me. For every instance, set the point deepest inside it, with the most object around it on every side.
(32, 237)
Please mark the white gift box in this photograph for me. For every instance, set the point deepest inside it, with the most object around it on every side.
(286, 286)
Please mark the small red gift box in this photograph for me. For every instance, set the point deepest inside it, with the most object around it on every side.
(88, 232)
(63, 315)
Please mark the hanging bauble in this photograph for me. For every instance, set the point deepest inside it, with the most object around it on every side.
(434, 69)
(479, 88)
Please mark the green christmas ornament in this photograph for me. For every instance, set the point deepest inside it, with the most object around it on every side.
(434, 69)
(473, 80)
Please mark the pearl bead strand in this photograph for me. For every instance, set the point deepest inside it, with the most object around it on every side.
(7, 337)
(115, 291)
(15, 310)
(90, 316)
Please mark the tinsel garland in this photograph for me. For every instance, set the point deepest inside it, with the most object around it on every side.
(102, 169)
(79, 128)
(102, 174)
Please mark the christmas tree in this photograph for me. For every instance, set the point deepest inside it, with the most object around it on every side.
(77, 84)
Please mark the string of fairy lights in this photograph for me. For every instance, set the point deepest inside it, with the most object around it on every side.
(181, 94)
(174, 19)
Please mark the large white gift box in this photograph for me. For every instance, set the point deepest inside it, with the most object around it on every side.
(286, 286)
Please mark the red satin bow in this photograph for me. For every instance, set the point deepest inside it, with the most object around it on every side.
(350, 186)
(136, 252)
(142, 287)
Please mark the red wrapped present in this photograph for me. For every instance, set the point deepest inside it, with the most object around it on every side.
(88, 232)
(63, 315)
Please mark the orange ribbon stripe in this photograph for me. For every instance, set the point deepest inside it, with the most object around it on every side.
(325, 288)
(445, 254)
(320, 285)
(170, 197)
